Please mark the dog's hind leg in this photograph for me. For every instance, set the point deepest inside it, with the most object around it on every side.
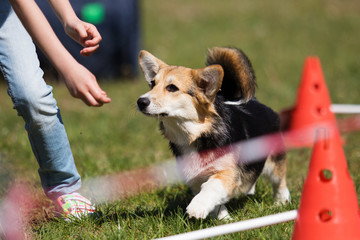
(275, 171)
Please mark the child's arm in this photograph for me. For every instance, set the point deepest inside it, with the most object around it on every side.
(80, 81)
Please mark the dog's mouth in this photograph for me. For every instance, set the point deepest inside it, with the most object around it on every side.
(157, 115)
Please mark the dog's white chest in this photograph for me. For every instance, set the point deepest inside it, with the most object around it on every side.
(183, 132)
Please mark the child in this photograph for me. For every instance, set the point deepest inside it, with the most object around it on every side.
(33, 99)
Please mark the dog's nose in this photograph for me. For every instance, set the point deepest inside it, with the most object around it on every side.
(143, 103)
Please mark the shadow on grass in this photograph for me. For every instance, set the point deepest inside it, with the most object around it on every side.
(173, 204)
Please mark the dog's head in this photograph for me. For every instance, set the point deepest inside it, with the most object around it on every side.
(178, 92)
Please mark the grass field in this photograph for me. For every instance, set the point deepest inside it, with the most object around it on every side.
(276, 35)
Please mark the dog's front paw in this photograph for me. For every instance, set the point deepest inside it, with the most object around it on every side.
(199, 209)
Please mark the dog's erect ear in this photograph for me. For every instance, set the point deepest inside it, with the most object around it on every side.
(209, 79)
(149, 65)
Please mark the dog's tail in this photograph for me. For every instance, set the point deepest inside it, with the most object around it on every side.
(239, 77)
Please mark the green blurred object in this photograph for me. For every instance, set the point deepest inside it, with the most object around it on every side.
(93, 13)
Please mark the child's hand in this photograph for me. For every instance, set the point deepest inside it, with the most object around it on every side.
(85, 34)
(82, 84)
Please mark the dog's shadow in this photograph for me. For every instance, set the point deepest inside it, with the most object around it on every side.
(174, 203)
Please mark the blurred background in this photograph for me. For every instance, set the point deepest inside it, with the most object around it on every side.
(118, 24)
(276, 35)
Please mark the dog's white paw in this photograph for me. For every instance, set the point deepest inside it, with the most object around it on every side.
(212, 194)
(198, 208)
(282, 196)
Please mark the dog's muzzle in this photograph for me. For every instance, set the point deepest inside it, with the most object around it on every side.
(143, 103)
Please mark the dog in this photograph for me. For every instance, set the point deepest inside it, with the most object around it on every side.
(202, 112)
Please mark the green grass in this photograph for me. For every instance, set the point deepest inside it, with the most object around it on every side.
(276, 35)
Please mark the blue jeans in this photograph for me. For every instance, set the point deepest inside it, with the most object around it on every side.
(34, 102)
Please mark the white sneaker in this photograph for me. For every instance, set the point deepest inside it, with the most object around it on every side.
(74, 206)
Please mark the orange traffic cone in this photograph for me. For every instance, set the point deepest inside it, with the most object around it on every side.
(313, 103)
(329, 206)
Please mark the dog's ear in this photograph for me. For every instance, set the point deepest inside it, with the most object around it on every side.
(149, 65)
(209, 79)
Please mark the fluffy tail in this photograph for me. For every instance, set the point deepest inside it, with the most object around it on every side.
(239, 77)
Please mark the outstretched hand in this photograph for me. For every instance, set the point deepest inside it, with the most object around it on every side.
(86, 34)
(82, 84)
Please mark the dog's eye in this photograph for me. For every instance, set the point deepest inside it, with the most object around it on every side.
(172, 88)
(152, 84)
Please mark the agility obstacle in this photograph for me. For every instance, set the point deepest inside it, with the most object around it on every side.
(328, 207)
(345, 108)
(235, 227)
(15, 209)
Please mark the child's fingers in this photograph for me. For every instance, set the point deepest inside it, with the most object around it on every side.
(87, 51)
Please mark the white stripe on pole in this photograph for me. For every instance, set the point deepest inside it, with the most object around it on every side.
(235, 227)
(345, 108)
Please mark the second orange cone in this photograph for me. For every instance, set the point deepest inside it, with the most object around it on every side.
(329, 206)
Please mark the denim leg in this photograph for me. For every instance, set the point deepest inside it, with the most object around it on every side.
(34, 101)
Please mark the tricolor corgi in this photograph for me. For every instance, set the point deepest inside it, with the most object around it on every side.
(202, 112)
